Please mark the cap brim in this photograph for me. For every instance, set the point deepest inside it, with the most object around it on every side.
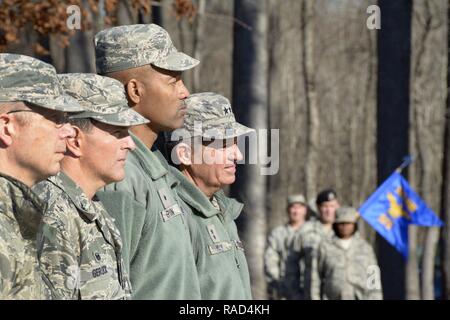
(176, 61)
(126, 118)
(346, 221)
(294, 202)
(234, 131)
(63, 103)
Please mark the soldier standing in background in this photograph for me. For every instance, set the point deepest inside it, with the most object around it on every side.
(346, 264)
(308, 239)
(280, 260)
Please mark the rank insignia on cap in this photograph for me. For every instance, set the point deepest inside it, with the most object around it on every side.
(227, 109)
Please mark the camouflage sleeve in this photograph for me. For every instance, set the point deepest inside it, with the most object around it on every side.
(374, 278)
(57, 243)
(313, 282)
(272, 260)
(6, 263)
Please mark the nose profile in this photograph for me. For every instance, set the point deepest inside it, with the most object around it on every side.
(129, 143)
(184, 92)
(237, 153)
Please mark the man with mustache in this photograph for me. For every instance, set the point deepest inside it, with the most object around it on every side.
(157, 242)
(79, 247)
(33, 129)
(207, 154)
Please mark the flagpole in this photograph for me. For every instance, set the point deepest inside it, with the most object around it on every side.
(406, 162)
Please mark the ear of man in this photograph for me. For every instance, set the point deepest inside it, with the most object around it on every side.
(135, 91)
(75, 144)
(7, 130)
(132, 81)
(183, 152)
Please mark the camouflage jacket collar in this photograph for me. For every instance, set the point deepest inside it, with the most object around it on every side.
(77, 196)
(20, 203)
(195, 198)
(150, 160)
(290, 229)
(355, 238)
(322, 230)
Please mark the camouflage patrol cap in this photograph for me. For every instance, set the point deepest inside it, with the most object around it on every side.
(126, 47)
(346, 215)
(210, 116)
(296, 198)
(27, 79)
(102, 98)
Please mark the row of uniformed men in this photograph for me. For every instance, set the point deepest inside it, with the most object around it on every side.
(89, 209)
(324, 257)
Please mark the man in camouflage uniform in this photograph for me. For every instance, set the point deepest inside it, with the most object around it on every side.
(308, 239)
(207, 154)
(346, 264)
(79, 246)
(33, 130)
(157, 244)
(280, 260)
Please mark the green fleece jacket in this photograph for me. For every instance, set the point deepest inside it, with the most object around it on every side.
(219, 254)
(157, 245)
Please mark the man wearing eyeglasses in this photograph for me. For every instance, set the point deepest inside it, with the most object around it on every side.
(33, 130)
(207, 153)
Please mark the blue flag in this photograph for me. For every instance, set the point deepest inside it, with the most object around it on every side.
(392, 207)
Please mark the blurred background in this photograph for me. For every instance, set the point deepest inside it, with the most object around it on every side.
(350, 101)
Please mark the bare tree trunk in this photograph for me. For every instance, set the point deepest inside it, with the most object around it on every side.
(445, 231)
(79, 56)
(208, 38)
(250, 97)
(428, 264)
(428, 61)
(307, 16)
(412, 274)
(198, 37)
(287, 104)
(126, 14)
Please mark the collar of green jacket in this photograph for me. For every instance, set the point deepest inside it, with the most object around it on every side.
(76, 194)
(195, 198)
(149, 160)
(152, 161)
(25, 205)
